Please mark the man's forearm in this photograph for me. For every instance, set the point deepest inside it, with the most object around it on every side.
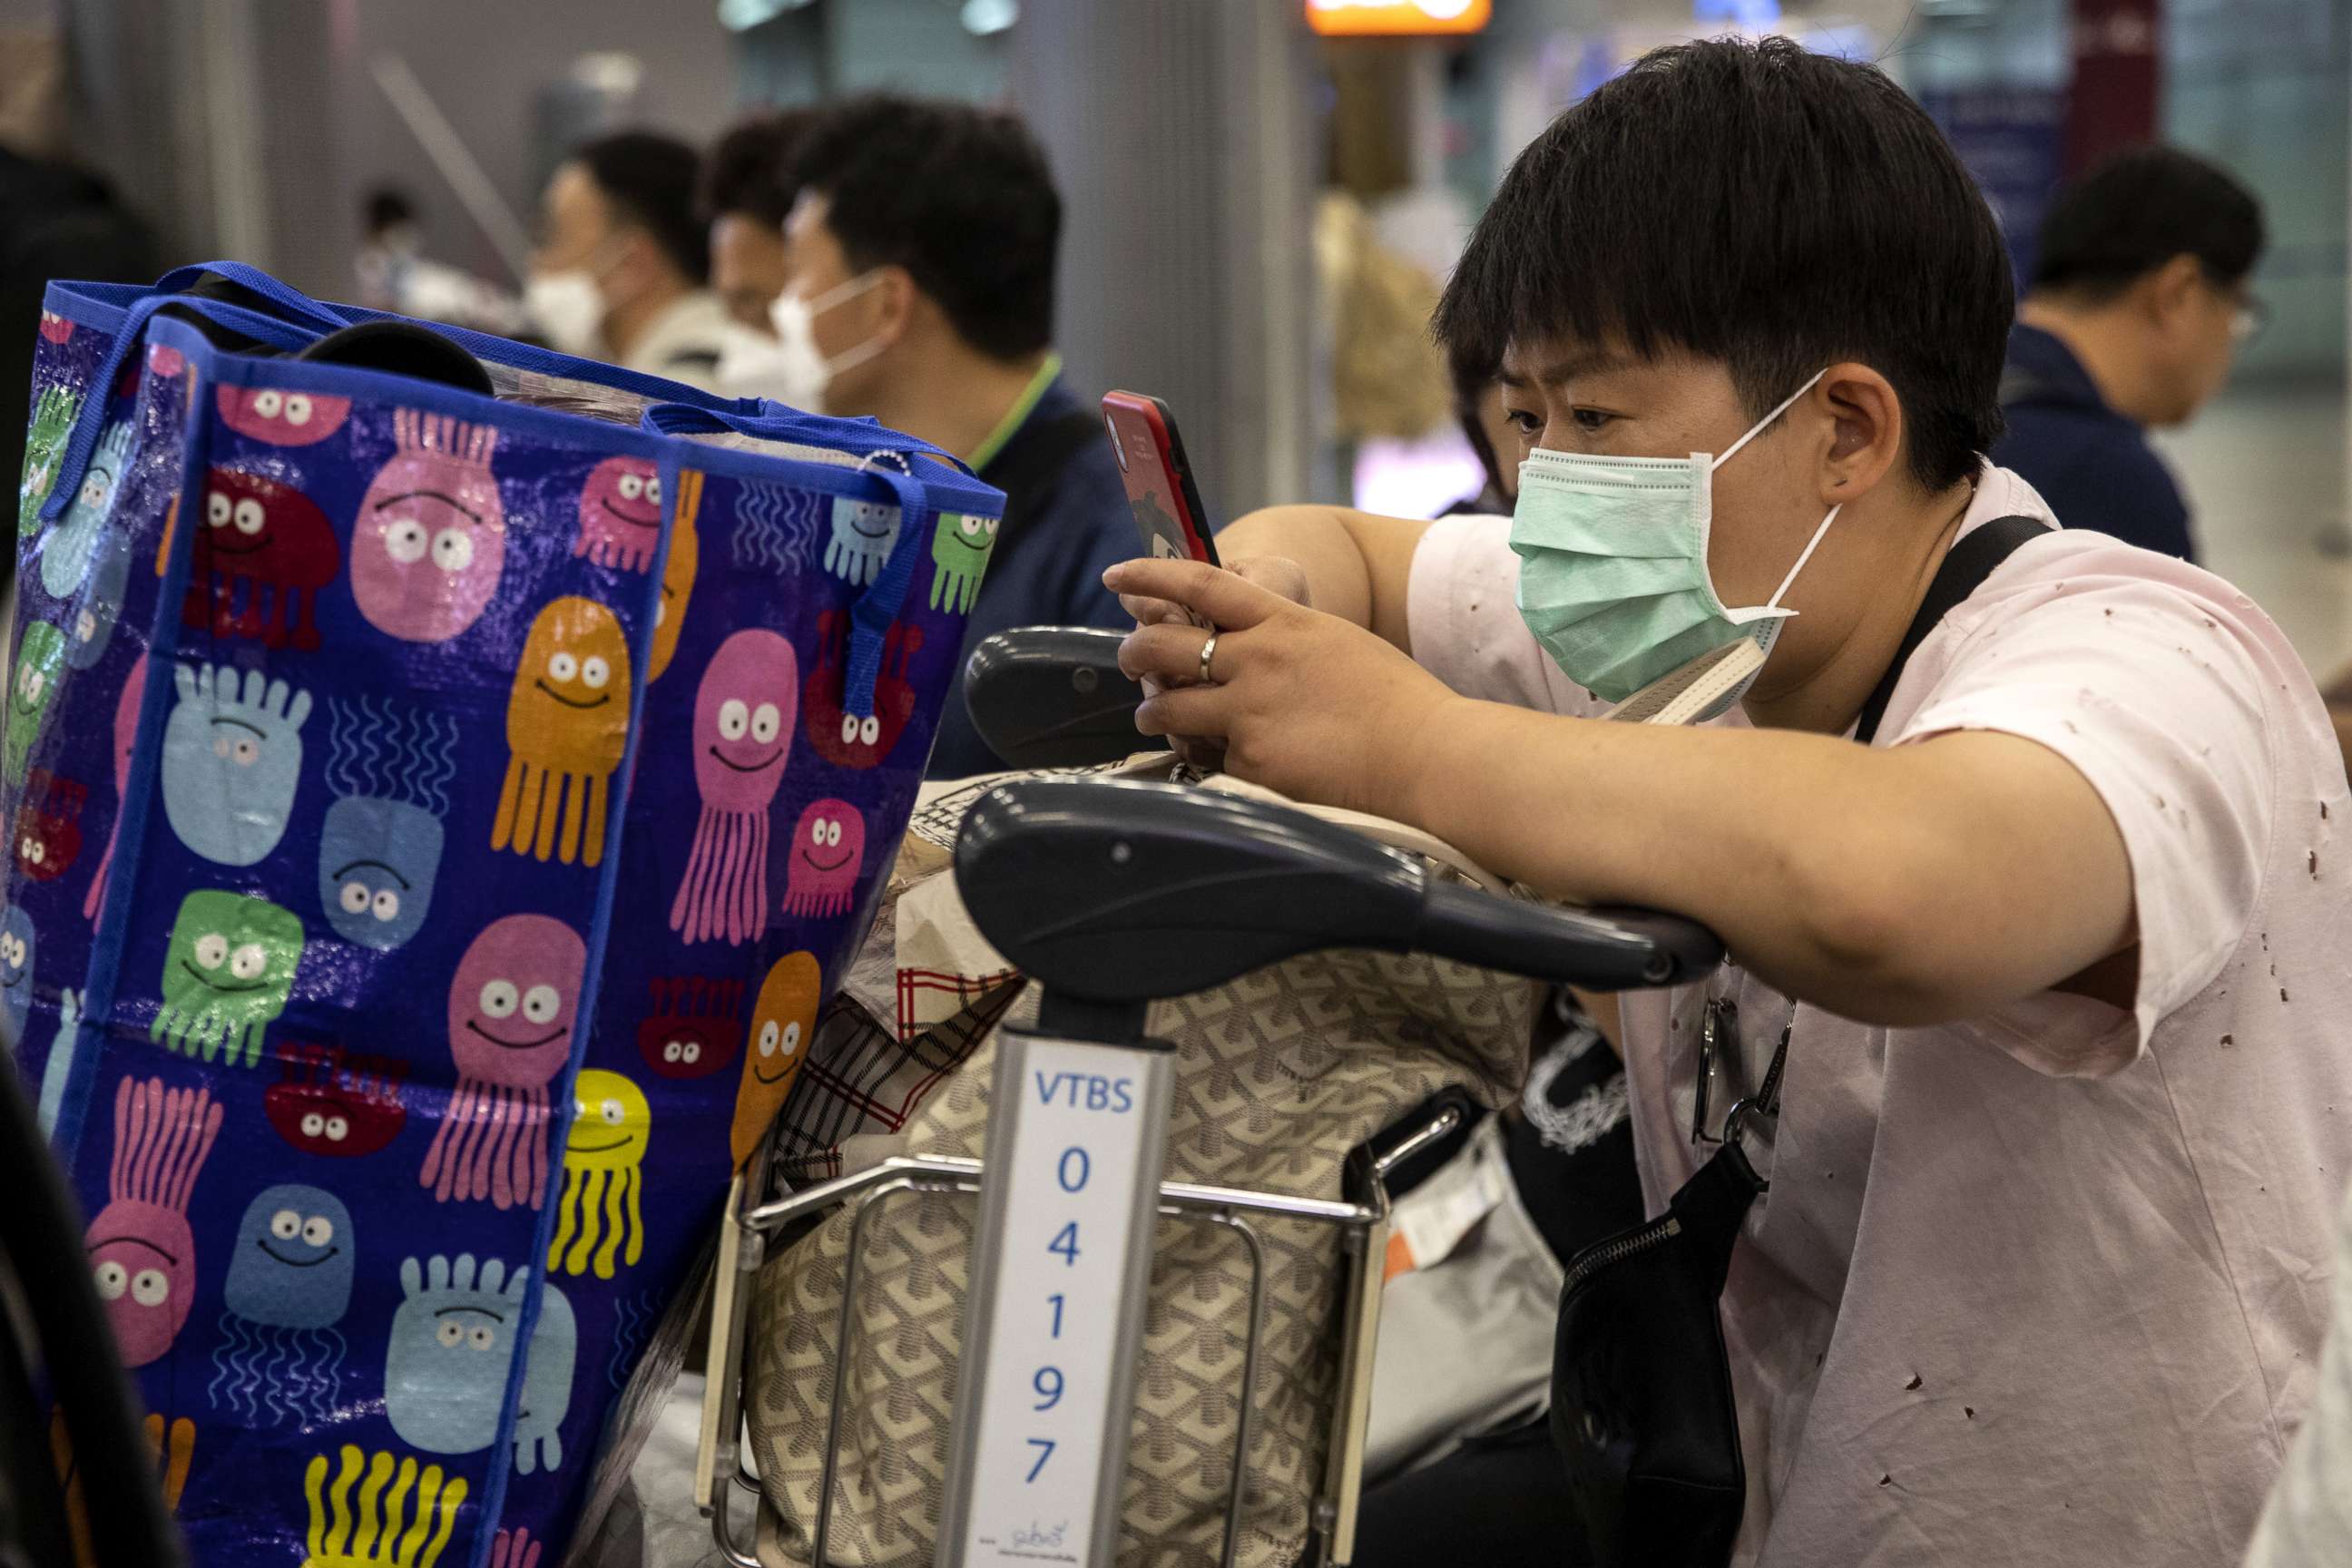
(1891, 887)
(1357, 563)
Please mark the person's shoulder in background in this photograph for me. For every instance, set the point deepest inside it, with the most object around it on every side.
(2094, 466)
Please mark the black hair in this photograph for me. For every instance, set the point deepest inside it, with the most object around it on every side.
(2137, 210)
(650, 181)
(959, 197)
(1758, 204)
(749, 168)
(387, 205)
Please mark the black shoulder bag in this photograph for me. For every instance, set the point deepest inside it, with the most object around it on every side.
(1642, 1405)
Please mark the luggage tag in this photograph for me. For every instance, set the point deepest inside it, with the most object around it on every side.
(1430, 1221)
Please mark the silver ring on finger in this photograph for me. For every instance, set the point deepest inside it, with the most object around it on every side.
(1208, 652)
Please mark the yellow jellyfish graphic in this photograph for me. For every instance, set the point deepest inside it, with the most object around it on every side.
(381, 1532)
(611, 1124)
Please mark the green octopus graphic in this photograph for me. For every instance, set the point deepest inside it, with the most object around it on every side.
(45, 443)
(31, 689)
(960, 549)
(227, 975)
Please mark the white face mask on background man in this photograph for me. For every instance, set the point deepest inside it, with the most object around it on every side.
(569, 308)
(800, 368)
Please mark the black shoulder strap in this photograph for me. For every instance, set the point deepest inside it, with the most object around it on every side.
(1966, 566)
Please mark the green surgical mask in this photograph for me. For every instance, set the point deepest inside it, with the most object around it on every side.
(1613, 565)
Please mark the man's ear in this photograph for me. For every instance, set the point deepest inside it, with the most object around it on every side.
(896, 300)
(1866, 431)
(2165, 292)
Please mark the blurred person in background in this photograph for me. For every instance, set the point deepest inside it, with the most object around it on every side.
(919, 262)
(395, 274)
(623, 259)
(2138, 303)
(1487, 425)
(747, 194)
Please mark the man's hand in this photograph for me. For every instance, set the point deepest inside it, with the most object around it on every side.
(1276, 574)
(1302, 702)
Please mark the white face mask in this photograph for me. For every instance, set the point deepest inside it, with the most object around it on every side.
(801, 370)
(569, 308)
(751, 363)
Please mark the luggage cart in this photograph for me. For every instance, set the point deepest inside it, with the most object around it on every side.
(1110, 894)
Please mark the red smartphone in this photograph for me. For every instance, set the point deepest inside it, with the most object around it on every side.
(1159, 487)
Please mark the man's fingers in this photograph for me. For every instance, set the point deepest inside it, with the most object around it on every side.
(1168, 654)
(1225, 600)
(1151, 611)
(1197, 712)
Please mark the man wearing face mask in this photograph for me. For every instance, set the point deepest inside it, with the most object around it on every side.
(2023, 841)
(747, 194)
(919, 262)
(623, 260)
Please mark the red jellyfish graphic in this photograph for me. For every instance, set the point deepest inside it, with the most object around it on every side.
(328, 1102)
(272, 540)
(142, 1252)
(840, 737)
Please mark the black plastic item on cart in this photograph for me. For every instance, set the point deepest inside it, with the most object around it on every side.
(1053, 697)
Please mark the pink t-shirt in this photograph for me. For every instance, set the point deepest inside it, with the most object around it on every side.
(1987, 1314)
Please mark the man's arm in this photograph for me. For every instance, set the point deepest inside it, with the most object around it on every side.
(1352, 564)
(1917, 884)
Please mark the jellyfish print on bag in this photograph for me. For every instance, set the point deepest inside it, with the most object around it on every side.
(378, 1513)
(143, 1255)
(960, 546)
(391, 764)
(127, 703)
(329, 1102)
(695, 1026)
(226, 975)
(453, 1340)
(67, 550)
(268, 542)
(621, 513)
(822, 863)
(282, 418)
(599, 1216)
(429, 545)
(90, 620)
(290, 1283)
(863, 533)
(45, 444)
(840, 737)
(17, 948)
(232, 758)
(49, 826)
(511, 1009)
(32, 687)
(567, 725)
(783, 1026)
(742, 737)
(678, 570)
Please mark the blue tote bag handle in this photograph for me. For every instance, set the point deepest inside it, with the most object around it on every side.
(870, 617)
(310, 319)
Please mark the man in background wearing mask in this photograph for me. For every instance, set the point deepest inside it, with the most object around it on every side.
(919, 263)
(623, 259)
(747, 194)
(2138, 304)
(2054, 963)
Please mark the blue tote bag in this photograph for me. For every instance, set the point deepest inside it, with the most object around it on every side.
(439, 819)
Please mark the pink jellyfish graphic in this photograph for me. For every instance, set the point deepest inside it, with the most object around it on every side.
(430, 539)
(126, 733)
(511, 1009)
(621, 513)
(821, 869)
(142, 1252)
(742, 734)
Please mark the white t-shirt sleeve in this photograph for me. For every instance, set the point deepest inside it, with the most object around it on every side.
(2155, 693)
(1462, 613)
